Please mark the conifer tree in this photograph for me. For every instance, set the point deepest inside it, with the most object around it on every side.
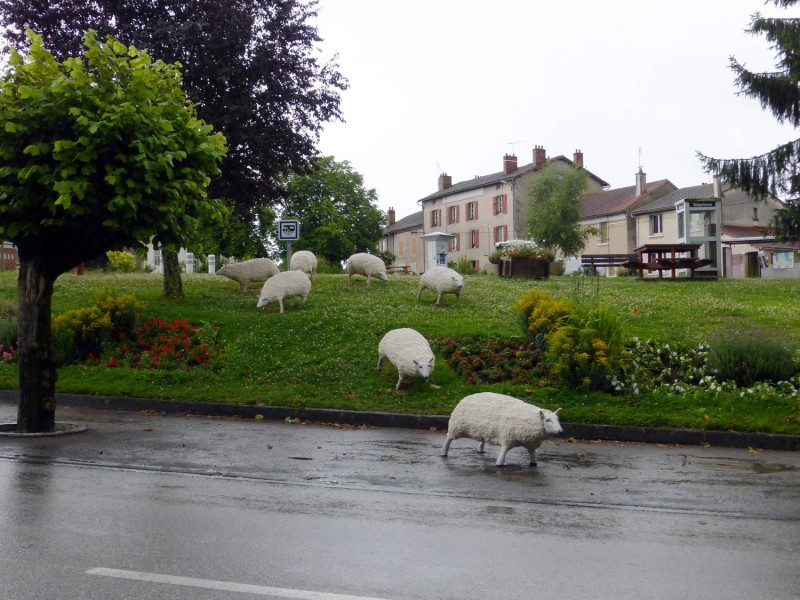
(777, 172)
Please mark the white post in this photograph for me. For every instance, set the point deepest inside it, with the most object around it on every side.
(190, 262)
(212, 259)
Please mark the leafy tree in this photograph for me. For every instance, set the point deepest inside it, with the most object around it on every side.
(338, 215)
(98, 152)
(554, 210)
(250, 66)
(774, 173)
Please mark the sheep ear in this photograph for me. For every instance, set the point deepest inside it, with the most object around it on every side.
(416, 363)
(541, 414)
(558, 411)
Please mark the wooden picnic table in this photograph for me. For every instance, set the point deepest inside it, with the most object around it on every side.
(669, 257)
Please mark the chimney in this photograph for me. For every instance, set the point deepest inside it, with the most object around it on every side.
(509, 163)
(716, 187)
(577, 158)
(390, 214)
(538, 156)
(641, 181)
(445, 181)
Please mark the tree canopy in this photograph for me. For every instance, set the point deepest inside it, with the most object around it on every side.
(773, 173)
(554, 210)
(250, 65)
(98, 152)
(338, 215)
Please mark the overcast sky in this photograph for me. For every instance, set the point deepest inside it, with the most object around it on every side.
(453, 85)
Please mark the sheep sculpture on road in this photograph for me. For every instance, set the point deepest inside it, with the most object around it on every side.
(502, 420)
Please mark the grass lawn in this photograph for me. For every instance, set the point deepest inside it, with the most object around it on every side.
(325, 355)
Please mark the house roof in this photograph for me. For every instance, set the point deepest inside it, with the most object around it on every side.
(412, 221)
(736, 232)
(481, 181)
(705, 190)
(609, 202)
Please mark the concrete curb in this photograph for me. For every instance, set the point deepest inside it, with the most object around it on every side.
(650, 435)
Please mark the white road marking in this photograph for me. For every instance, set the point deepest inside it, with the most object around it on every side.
(227, 586)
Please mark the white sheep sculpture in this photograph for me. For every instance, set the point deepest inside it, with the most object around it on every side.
(285, 285)
(409, 351)
(502, 420)
(255, 269)
(305, 261)
(442, 280)
(367, 265)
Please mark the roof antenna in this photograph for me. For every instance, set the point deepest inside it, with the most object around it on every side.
(640, 158)
(512, 146)
(439, 167)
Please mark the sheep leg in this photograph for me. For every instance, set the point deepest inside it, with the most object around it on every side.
(399, 381)
(419, 293)
(446, 446)
(281, 304)
(380, 360)
(480, 450)
(501, 458)
(532, 453)
(439, 299)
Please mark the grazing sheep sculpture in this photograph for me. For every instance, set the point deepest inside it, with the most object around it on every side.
(442, 280)
(304, 261)
(409, 351)
(502, 420)
(367, 265)
(285, 285)
(255, 269)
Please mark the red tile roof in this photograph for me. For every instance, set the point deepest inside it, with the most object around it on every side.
(610, 202)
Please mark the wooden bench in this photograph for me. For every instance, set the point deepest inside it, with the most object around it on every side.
(628, 261)
(402, 269)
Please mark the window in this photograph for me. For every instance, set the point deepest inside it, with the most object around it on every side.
(499, 204)
(474, 238)
(401, 249)
(500, 233)
(413, 246)
(603, 235)
(472, 211)
(454, 245)
(452, 214)
(755, 213)
(436, 217)
(476, 265)
(656, 225)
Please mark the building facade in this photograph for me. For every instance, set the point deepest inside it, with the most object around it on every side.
(474, 215)
(402, 238)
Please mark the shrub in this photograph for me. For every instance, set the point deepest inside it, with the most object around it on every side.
(495, 256)
(122, 262)
(540, 313)
(328, 268)
(588, 350)
(81, 333)
(747, 356)
(463, 265)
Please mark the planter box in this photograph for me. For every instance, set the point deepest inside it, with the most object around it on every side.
(526, 268)
(492, 269)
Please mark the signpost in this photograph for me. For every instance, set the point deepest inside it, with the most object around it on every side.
(288, 231)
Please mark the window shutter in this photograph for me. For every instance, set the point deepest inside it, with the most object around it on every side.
(505, 233)
(458, 210)
(494, 206)
(458, 242)
(476, 210)
(505, 203)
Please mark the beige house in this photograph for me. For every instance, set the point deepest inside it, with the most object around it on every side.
(474, 215)
(402, 238)
(610, 212)
(732, 227)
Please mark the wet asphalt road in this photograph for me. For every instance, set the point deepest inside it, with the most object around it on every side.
(154, 506)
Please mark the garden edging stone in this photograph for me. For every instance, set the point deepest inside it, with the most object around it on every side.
(650, 435)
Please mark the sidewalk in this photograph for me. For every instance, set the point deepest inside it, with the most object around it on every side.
(653, 435)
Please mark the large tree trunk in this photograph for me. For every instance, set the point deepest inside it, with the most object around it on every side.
(173, 286)
(37, 364)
